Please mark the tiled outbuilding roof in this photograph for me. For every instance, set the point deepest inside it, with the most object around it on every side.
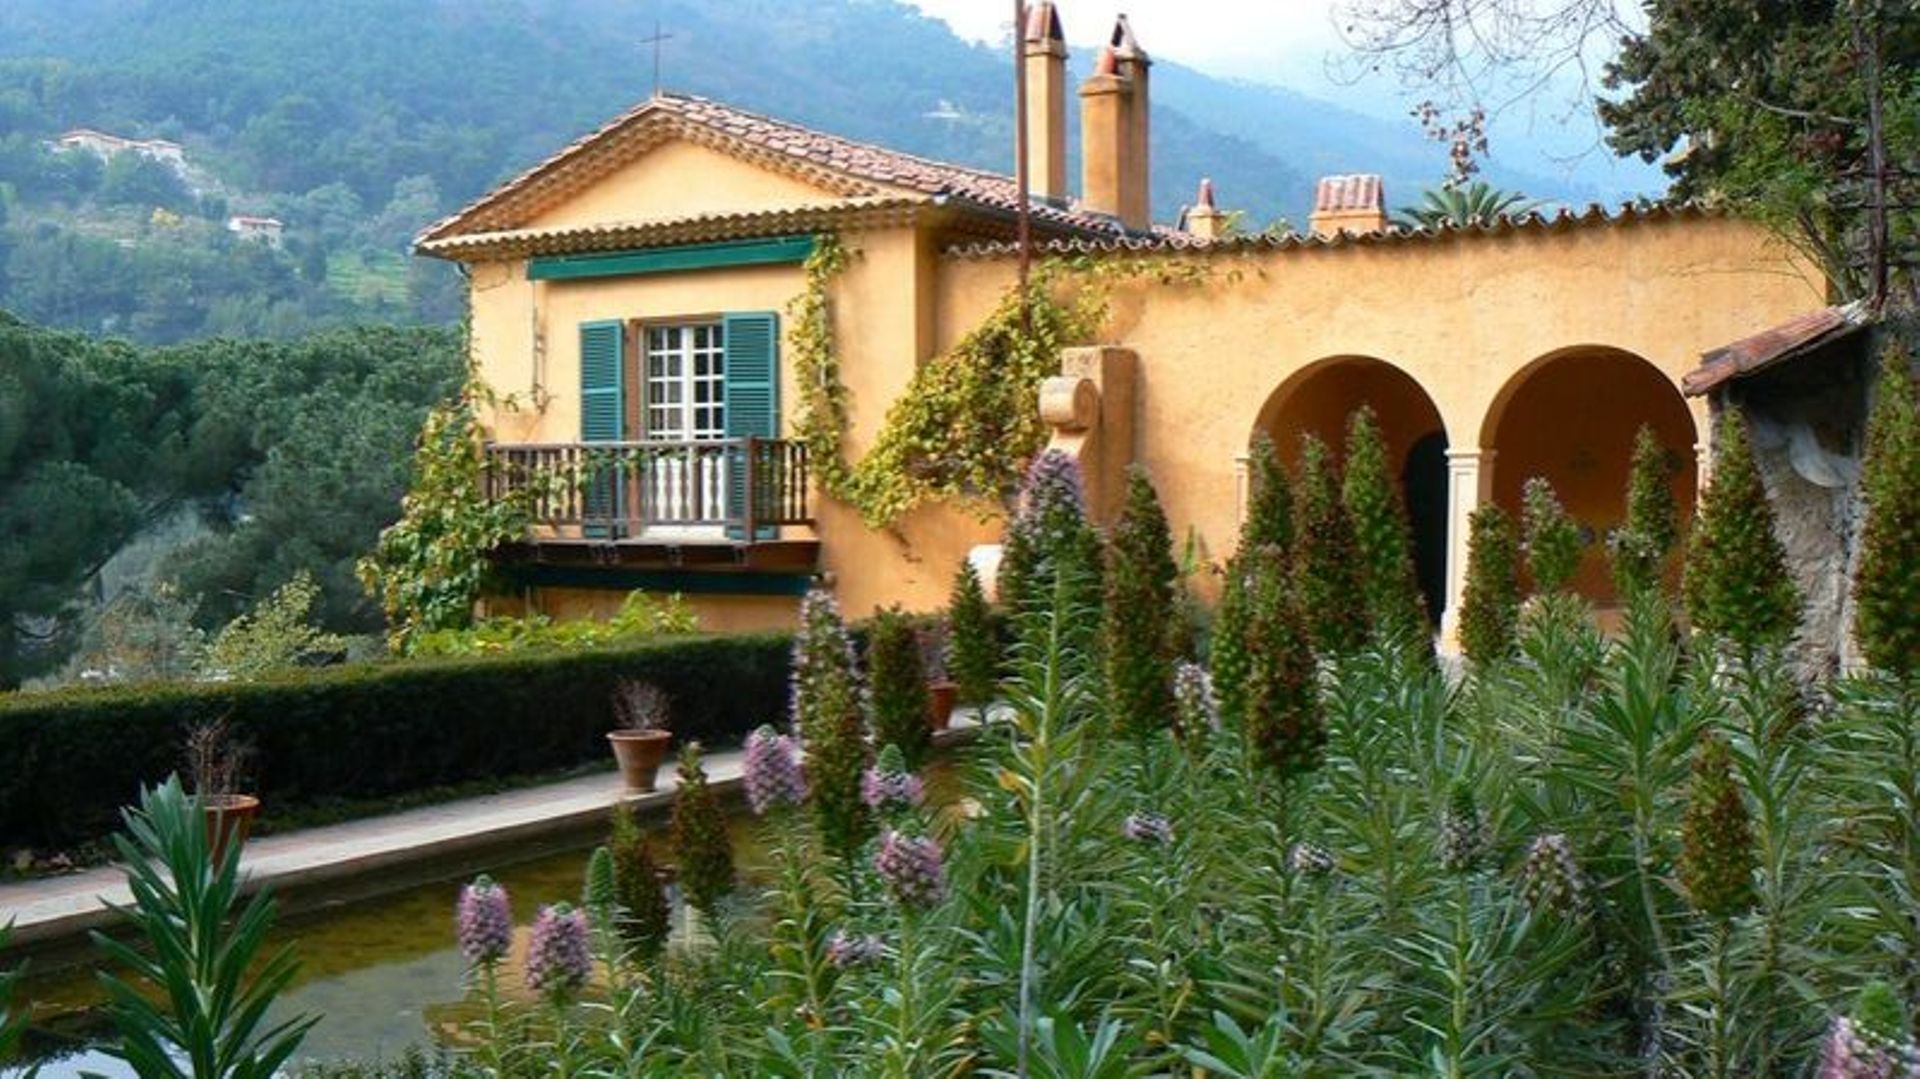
(1793, 338)
(852, 169)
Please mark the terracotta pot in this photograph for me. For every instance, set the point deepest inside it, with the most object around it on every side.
(229, 822)
(639, 754)
(941, 697)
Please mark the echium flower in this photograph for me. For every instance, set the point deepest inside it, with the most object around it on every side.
(1551, 879)
(853, 950)
(559, 960)
(1195, 708)
(1716, 836)
(912, 869)
(1872, 1043)
(1310, 859)
(1150, 828)
(483, 922)
(889, 786)
(772, 772)
(824, 663)
(1463, 831)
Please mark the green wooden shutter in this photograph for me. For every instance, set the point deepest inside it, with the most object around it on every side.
(603, 409)
(753, 395)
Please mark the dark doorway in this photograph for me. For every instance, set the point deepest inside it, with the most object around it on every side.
(1425, 484)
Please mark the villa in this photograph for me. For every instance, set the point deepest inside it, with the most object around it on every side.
(633, 292)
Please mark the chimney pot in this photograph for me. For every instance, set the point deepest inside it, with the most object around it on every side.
(1355, 204)
(1045, 54)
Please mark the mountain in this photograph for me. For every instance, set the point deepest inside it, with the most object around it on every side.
(358, 121)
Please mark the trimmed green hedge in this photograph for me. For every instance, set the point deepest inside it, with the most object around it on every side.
(69, 759)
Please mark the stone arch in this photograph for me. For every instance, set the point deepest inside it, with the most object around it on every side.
(1571, 417)
(1319, 397)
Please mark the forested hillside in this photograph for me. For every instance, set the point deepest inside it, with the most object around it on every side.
(357, 121)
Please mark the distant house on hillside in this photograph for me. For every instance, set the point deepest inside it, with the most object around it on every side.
(103, 145)
(267, 230)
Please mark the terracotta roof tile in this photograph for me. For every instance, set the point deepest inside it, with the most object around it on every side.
(1795, 337)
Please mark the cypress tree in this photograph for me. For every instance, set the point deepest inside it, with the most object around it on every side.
(1716, 836)
(1139, 616)
(1736, 584)
(700, 842)
(1553, 538)
(1326, 569)
(1640, 546)
(897, 687)
(829, 721)
(1284, 724)
(1269, 519)
(1887, 591)
(973, 656)
(645, 913)
(1490, 606)
(1381, 535)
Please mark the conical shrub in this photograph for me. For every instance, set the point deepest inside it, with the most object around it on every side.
(1737, 587)
(829, 719)
(701, 847)
(1640, 547)
(973, 654)
(1326, 564)
(1140, 614)
(897, 687)
(1886, 592)
(1490, 605)
(1284, 723)
(645, 912)
(1269, 520)
(1716, 836)
(1048, 541)
(1382, 536)
(1552, 537)
(1227, 657)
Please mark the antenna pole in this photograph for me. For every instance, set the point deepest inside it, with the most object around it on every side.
(1020, 160)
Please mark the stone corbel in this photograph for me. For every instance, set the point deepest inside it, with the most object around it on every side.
(1089, 407)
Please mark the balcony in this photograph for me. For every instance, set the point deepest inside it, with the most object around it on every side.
(724, 505)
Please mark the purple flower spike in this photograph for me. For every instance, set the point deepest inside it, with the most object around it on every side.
(1851, 1052)
(912, 869)
(559, 960)
(772, 771)
(483, 922)
(883, 790)
(1149, 828)
(852, 951)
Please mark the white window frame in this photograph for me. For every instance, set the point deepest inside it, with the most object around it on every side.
(691, 358)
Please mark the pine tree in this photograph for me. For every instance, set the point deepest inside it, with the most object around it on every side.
(1716, 836)
(645, 912)
(1269, 519)
(1050, 540)
(897, 684)
(1737, 587)
(1139, 614)
(1382, 537)
(1640, 546)
(1490, 605)
(1284, 723)
(1326, 567)
(1887, 591)
(701, 846)
(973, 654)
(830, 723)
(1553, 538)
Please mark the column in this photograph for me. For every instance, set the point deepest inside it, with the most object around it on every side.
(1469, 483)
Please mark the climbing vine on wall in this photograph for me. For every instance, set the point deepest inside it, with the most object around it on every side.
(823, 398)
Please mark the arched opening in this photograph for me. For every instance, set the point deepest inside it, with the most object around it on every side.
(1319, 398)
(1571, 417)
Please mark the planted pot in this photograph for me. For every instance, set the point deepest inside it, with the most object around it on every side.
(941, 698)
(229, 822)
(639, 754)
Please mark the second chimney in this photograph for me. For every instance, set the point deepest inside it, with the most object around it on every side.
(1044, 51)
(1137, 205)
(1354, 204)
(1107, 173)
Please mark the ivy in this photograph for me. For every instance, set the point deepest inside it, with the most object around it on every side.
(823, 399)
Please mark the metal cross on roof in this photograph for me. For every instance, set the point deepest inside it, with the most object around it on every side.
(655, 40)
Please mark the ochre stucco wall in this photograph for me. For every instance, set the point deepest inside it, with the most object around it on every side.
(680, 179)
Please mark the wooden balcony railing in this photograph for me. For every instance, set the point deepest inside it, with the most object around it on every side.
(738, 489)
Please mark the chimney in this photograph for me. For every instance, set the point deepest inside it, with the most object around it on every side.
(1355, 204)
(1136, 202)
(1203, 219)
(1044, 49)
(1106, 141)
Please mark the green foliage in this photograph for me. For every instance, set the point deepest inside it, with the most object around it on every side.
(331, 736)
(645, 915)
(599, 892)
(1050, 541)
(966, 421)
(973, 650)
(701, 848)
(1737, 586)
(12, 1023)
(1283, 720)
(1886, 589)
(198, 1004)
(1641, 545)
(1140, 615)
(827, 718)
(1490, 604)
(1382, 537)
(1478, 203)
(1327, 578)
(897, 687)
(1716, 836)
(1228, 660)
(642, 615)
(274, 636)
(1552, 537)
(822, 419)
(1269, 520)
(430, 567)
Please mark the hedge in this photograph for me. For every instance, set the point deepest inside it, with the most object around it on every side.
(70, 758)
